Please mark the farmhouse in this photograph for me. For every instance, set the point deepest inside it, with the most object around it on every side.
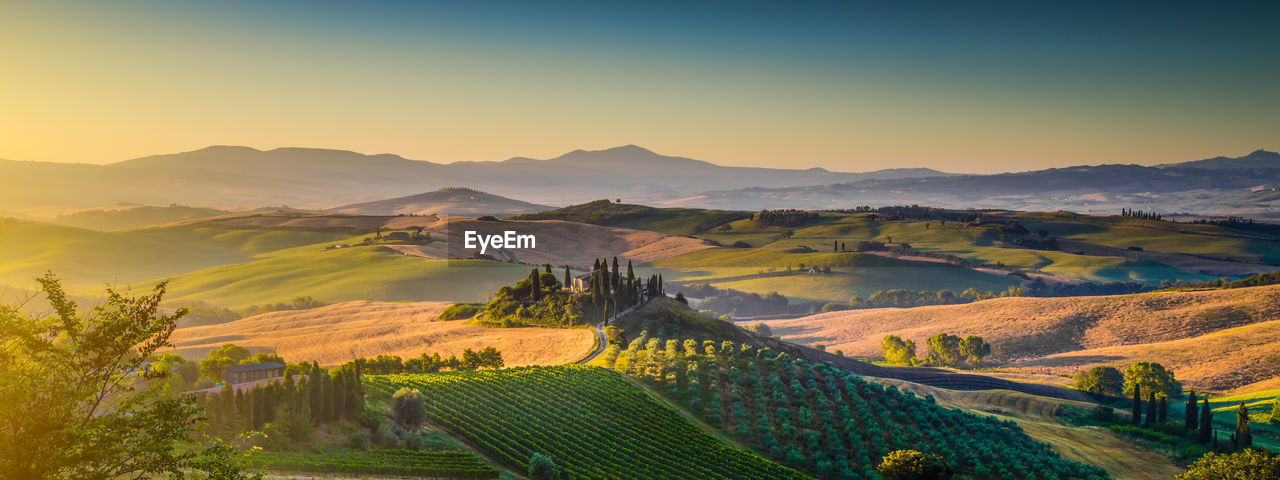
(581, 282)
(251, 372)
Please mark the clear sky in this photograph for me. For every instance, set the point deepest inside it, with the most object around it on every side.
(848, 86)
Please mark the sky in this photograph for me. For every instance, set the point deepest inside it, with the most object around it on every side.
(848, 86)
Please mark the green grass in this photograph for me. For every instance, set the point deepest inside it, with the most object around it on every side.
(358, 273)
(87, 259)
(135, 217)
(593, 422)
(442, 464)
(764, 270)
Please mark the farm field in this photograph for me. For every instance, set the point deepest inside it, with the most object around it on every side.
(337, 333)
(1184, 328)
(764, 270)
(820, 419)
(358, 273)
(591, 421)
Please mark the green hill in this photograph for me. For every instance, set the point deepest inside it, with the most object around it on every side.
(336, 275)
(764, 270)
(593, 422)
(135, 217)
(86, 259)
(818, 418)
(671, 221)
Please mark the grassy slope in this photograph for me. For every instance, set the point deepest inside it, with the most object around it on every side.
(337, 333)
(360, 273)
(135, 217)
(1031, 328)
(87, 259)
(1120, 457)
(852, 273)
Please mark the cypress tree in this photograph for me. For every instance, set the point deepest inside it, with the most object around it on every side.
(547, 266)
(1190, 422)
(315, 392)
(615, 277)
(535, 286)
(1151, 409)
(1206, 421)
(662, 289)
(596, 266)
(567, 278)
(1244, 435)
(1137, 404)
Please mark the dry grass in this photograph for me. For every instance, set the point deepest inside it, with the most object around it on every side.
(1214, 339)
(1241, 358)
(336, 333)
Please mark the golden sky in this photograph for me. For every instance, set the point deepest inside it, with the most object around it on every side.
(848, 90)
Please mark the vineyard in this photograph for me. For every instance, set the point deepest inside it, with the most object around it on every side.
(826, 421)
(384, 462)
(594, 423)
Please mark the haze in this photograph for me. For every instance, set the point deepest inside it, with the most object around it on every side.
(847, 88)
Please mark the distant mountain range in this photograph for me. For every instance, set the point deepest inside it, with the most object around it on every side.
(229, 177)
(1216, 186)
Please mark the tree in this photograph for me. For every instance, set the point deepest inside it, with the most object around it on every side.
(680, 298)
(1137, 405)
(409, 407)
(1244, 435)
(79, 402)
(1101, 380)
(1206, 421)
(542, 467)
(226, 355)
(567, 277)
(1190, 421)
(1163, 416)
(1151, 409)
(973, 349)
(913, 465)
(898, 351)
(944, 349)
(1152, 377)
(1249, 464)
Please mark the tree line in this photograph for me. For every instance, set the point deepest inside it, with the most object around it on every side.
(942, 349)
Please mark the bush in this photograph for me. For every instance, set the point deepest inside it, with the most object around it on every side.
(542, 467)
(1249, 464)
(913, 465)
(741, 244)
(359, 440)
(385, 439)
(414, 441)
(460, 311)
(408, 407)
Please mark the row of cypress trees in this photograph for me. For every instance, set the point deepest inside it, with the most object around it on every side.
(1197, 418)
(320, 395)
(613, 292)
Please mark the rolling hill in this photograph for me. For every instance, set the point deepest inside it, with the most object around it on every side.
(334, 334)
(445, 201)
(135, 217)
(1062, 335)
